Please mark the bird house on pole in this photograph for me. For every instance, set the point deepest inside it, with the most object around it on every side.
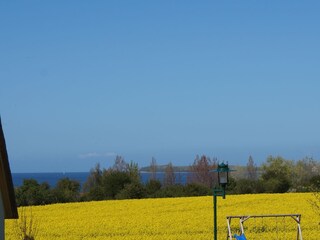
(8, 206)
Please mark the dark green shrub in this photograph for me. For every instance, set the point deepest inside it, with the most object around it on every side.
(195, 189)
(133, 190)
(152, 187)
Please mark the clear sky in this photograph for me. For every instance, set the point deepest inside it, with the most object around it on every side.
(83, 81)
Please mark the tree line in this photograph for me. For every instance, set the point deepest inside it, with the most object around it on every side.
(122, 181)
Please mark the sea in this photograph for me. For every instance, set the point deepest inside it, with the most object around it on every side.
(53, 177)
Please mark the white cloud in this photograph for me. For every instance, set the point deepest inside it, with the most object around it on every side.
(97, 155)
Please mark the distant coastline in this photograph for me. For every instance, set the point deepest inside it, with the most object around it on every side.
(181, 173)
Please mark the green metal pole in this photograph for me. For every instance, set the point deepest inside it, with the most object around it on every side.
(215, 216)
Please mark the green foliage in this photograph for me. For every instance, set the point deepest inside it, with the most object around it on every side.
(245, 186)
(176, 190)
(67, 190)
(305, 172)
(122, 181)
(119, 182)
(113, 182)
(134, 190)
(248, 186)
(152, 187)
(134, 173)
(33, 193)
(232, 184)
(314, 183)
(94, 180)
(195, 189)
(277, 174)
(95, 193)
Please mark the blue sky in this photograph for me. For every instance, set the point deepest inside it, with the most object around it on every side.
(83, 81)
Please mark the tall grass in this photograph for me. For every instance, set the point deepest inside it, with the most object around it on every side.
(26, 226)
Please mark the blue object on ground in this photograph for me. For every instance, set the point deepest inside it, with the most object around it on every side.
(241, 237)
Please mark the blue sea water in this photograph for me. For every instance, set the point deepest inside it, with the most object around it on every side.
(53, 177)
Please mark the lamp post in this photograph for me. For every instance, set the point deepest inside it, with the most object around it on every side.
(223, 179)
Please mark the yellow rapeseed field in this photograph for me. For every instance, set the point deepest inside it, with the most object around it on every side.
(170, 218)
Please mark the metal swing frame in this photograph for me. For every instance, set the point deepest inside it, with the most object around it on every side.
(243, 218)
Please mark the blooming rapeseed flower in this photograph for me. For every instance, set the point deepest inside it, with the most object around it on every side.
(171, 218)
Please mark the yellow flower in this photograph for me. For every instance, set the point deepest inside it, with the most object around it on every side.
(172, 218)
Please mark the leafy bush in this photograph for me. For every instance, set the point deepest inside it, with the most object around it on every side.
(176, 190)
(152, 187)
(195, 189)
(133, 190)
(33, 193)
(247, 186)
(67, 190)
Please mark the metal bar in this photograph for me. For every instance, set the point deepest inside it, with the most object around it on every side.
(267, 215)
(219, 192)
(299, 227)
(300, 232)
(229, 229)
(215, 217)
(243, 218)
(297, 219)
(241, 225)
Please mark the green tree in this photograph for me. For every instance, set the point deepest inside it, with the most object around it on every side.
(134, 190)
(152, 187)
(94, 179)
(92, 188)
(176, 190)
(106, 184)
(134, 173)
(314, 183)
(94, 194)
(277, 174)
(113, 182)
(67, 190)
(245, 186)
(195, 189)
(33, 193)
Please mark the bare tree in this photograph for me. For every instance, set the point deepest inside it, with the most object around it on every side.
(153, 169)
(120, 164)
(304, 171)
(201, 168)
(169, 177)
(252, 169)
